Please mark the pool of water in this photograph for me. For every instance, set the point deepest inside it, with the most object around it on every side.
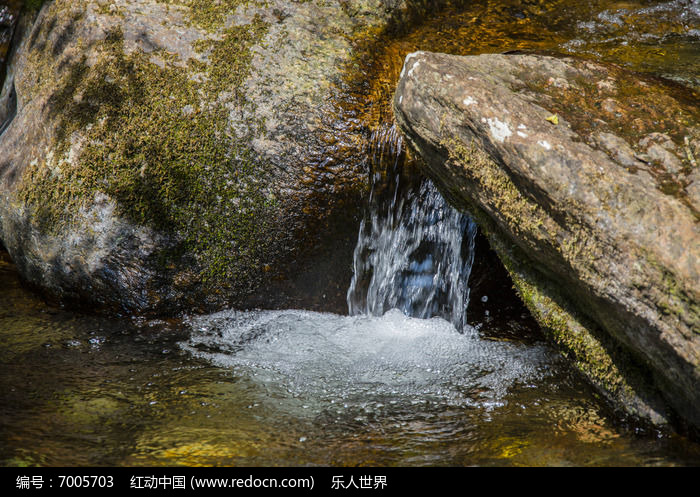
(294, 388)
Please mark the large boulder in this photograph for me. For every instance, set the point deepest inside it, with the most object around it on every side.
(587, 183)
(177, 153)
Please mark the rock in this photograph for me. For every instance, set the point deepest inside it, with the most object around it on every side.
(605, 255)
(9, 14)
(169, 155)
(660, 148)
(619, 150)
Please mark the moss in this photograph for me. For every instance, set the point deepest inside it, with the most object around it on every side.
(34, 4)
(207, 14)
(523, 215)
(108, 8)
(159, 143)
(674, 299)
(45, 44)
(228, 66)
(596, 355)
(573, 338)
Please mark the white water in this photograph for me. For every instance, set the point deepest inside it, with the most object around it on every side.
(414, 251)
(366, 362)
(415, 256)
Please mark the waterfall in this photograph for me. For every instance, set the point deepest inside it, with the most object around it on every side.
(414, 252)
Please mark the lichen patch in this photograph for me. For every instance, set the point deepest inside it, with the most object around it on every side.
(499, 130)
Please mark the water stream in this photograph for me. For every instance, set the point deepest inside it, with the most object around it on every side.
(407, 378)
(414, 251)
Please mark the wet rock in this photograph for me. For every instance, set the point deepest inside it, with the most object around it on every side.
(600, 247)
(659, 148)
(175, 154)
(618, 149)
(693, 187)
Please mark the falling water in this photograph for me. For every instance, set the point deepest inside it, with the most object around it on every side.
(414, 252)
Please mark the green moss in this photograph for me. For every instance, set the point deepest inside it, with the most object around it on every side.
(593, 353)
(159, 143)
(34, 4)
(208, 14)
(573, 338)
(523, 215)
(674, 299)
(108, 8)
(228, 66)
(603, 362)
(45, 45)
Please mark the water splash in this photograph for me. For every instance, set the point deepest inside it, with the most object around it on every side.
(365, 362)
(414, 251)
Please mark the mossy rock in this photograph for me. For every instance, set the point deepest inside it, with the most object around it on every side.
(577, 206)
(184, 154)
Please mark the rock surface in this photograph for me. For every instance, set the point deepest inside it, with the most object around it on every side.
(184, 153)
(585, 179)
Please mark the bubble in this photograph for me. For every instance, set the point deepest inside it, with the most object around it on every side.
(356, 361)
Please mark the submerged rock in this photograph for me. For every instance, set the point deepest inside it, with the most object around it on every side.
(595, 217)
(161, 155)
